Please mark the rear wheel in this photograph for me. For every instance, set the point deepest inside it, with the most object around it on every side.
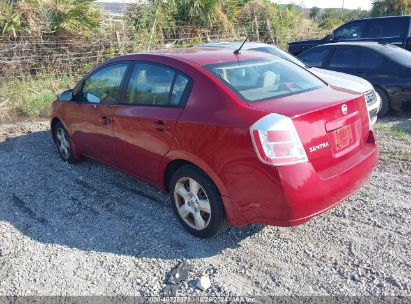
(63, 143)
(196, 202)
(385, 102)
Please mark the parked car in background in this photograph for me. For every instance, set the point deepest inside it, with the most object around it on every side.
(250, 138)
(386, 67)
(394, 30)
(337, 79)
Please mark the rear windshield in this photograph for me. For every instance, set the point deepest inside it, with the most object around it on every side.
(397, 54)
(267, 78)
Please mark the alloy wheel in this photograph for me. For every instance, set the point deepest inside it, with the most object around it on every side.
(192, 203)
(63, 143)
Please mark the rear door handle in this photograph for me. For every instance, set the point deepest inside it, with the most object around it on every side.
(105, 120)
(159, 125)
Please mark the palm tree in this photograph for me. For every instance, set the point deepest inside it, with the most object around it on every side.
(390, 7)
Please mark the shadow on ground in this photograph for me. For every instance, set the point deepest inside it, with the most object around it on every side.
(92, 207)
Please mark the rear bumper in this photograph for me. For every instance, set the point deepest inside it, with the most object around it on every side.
(302, 193)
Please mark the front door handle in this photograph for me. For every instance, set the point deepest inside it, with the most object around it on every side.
(159, 125)
(105, 120)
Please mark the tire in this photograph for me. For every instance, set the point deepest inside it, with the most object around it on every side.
(197, 202)
(385, 102)
(63, 143)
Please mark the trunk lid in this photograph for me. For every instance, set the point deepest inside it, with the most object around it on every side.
(331, 123)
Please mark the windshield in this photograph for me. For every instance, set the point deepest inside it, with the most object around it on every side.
(261, 79)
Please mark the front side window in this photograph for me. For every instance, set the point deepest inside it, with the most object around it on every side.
(261, 79)
(359, 58)
(352, 30)
(315, 57)
(104, 85)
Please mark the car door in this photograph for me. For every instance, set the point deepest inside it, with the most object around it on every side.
(389, 30)
(151, 104)
(91, 121)
(354, 60)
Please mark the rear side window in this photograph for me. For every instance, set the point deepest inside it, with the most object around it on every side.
(104, 85)
(360, 58)
(387, 28)
(351, 30)
(261, 79)
(152, 84)
(315, 57)
(179, 89)
(397, 54)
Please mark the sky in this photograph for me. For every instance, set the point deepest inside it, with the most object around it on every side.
(350, 4)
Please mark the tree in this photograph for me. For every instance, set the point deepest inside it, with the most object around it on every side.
(390, 8)
(314, 13)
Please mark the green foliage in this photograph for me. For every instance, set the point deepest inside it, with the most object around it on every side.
(195, 12)
(70, 16)
(270, 22)
(77, 17)
(32, 97)
(334, 17)
(390, 8)
(314, 13)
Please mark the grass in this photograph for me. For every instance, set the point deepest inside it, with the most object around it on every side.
(400, 150)
(393, 131)
(31, 97)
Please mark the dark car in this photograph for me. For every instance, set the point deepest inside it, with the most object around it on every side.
(386, 67)
(393, 30)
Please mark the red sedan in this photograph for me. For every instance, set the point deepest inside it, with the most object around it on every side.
(243, 138)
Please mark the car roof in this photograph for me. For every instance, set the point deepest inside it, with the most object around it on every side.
(384, 17)
(368, 44)
(234, 45)
(199, 56)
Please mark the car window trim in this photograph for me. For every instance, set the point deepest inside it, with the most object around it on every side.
(184, 96)
(80, 91)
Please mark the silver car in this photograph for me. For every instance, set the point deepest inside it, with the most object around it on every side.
(333, 78)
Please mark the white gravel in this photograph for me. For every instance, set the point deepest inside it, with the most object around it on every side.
(86, 229)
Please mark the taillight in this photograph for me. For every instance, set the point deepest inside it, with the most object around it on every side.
(276, 141)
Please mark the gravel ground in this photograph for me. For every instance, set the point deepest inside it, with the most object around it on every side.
(86, 229)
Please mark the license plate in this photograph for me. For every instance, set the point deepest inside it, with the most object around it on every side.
(343, 137)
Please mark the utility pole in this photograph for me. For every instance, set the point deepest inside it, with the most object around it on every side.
(342, 11)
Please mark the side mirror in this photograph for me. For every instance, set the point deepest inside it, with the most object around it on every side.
(65, 96)
(330, 36)
(92, 98)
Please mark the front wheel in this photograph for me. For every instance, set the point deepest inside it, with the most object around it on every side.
(196, 202)
(63, 143)
(385, 102)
